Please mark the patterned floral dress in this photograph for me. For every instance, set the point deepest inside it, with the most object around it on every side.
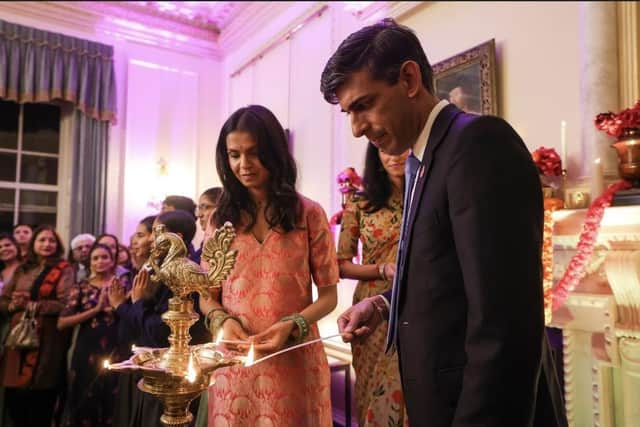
(378, 388)
(91, 390)
(271, 280)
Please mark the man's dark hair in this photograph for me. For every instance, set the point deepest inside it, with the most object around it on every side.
(179, 222)
(181, 203)
(22, 224)
(382, 48)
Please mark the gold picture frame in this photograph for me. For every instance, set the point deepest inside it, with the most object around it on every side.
(468, 79)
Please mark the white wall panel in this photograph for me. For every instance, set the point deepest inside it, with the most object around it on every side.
(241, 90)
(271, 82)
(162, 120)
(310, 116)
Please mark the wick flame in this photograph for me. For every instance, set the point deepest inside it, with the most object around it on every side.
(219, 337)
(191, 371)
(106, 364)
(250, 357)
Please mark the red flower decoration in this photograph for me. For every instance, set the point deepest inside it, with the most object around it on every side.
(349, 180)
(548, 161)
(615, 124)
(577, 267)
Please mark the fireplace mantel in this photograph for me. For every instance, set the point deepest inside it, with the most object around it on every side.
(600, 320)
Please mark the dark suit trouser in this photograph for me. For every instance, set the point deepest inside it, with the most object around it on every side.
(550, 410)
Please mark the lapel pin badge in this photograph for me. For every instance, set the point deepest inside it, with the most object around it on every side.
(421, 171)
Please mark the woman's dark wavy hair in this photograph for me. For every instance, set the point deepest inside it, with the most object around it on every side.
(114, 237)
(32, 259)
(212, 194)
(382, 48)
(147, 221)
(9, 237)
(283, 205)
(375, 181)
(101, 246)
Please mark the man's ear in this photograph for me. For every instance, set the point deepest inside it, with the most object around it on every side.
(411, 76)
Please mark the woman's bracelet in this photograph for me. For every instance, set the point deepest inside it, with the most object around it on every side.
(381, 271)
(207, 318)
(303, 327)
(219, 321)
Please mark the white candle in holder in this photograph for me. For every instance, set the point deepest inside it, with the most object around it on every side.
(597, 179)
(563, 144)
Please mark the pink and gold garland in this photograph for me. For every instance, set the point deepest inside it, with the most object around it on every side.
(578, 265)
(550, 205)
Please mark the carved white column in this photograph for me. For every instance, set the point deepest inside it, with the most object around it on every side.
(598, 81)
(629, 49)
(623, 272)
(622, 267)
(630, 356)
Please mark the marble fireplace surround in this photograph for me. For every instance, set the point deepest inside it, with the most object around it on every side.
(600, 321)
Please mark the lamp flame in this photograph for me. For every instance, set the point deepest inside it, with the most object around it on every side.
(250, 357)
(106, 364)
(219, 337)
(191, 371)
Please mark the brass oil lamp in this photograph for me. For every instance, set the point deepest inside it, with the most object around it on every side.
(178, 374)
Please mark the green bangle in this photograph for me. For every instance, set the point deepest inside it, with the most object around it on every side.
(207, 318)
(219, 321)
(303, 327)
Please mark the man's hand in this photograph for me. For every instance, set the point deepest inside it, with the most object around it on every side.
(359, 321)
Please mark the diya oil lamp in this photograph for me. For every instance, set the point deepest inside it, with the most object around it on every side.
(178, 374)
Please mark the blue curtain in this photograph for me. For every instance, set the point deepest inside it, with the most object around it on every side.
(41, 66)
(89, 175)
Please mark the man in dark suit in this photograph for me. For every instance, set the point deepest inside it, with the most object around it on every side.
(466, 311)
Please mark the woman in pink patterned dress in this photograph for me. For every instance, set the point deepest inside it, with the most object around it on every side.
(283, 242)
(373, 217)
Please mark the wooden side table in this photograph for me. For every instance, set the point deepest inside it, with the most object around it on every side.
(337, 365)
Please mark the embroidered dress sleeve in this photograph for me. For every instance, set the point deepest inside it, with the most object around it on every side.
(349, 231)
(53, 307)
(72, 300)
(5, 296)
(323, 261)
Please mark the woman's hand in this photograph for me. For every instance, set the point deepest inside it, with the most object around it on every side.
(116, 294)
(233, 331)
(19, 300)
(140, 284)
(274, 338)
(390, 270)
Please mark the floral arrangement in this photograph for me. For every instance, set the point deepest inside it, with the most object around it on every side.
(348, 182)
(578, 265)
(548, 161)
(615, 124)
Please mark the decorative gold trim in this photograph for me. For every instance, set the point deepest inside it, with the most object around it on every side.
(485, 55)
(628, 52)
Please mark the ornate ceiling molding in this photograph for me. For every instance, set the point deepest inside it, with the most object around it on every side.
(254, 17)
(211, 37)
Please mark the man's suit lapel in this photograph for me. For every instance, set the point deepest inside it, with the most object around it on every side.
(438, 132)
